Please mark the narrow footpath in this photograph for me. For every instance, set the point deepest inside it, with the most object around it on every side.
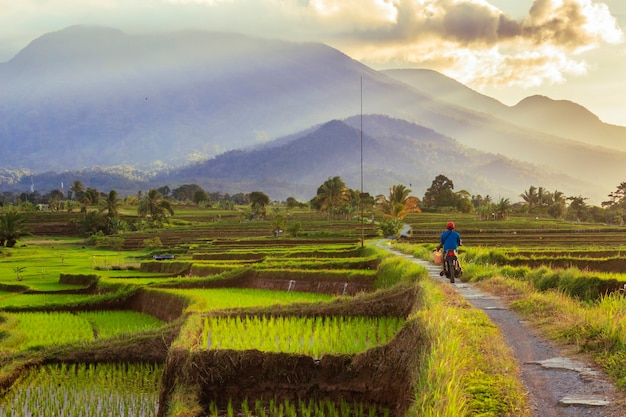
(557, 385)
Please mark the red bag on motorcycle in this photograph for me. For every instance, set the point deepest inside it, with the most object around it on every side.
(438, 257)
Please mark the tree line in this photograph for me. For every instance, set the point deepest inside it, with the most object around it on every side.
(333, 197)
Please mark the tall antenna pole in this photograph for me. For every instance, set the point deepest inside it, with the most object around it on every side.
(362, 195)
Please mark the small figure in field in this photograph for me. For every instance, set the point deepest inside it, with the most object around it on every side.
(450, 240)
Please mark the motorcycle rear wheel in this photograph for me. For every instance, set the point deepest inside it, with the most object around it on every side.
(451, 271)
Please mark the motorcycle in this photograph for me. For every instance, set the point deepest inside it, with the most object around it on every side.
(451, 266)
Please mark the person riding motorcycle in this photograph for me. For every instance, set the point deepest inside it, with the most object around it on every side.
(450, 240)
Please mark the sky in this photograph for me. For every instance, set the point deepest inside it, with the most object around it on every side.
(507, 49)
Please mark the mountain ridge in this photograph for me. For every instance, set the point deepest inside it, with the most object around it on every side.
(166, 100)
(556, 117)
(394, 151)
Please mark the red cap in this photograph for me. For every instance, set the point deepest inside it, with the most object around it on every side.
(450, 225)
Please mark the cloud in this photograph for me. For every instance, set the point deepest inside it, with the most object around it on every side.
(478, 44)
(470, 40)
(570, 24)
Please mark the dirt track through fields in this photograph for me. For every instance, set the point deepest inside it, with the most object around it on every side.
(558, 385)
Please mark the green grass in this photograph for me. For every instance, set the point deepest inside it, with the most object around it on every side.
(220, 299)
(113, 323)
(43, 262)
(34, 330)
(314, 336)
(17, 300)
(467, 370)
(31, 330)
(302, 408)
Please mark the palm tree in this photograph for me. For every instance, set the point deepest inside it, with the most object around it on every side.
(578, 209)
(332, 195)
(503, 207)
(12, 228)
(93, 222)
(155, 206)
(77, 189)
(557, 205)
(399, 203)
(530, 197)
(111, 204)
(558, 197)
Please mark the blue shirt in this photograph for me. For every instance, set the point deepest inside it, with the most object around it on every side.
(451, 240)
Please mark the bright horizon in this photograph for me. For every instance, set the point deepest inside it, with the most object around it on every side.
(507, 49)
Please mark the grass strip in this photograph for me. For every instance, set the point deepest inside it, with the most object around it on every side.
(468, 369)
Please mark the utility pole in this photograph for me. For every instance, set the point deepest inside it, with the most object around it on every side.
(362, 194)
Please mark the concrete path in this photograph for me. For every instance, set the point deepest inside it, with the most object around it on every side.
(557, 386)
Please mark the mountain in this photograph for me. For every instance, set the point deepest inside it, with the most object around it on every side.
(85, 96)
(446, 89)
(561, 118)
(394, 151)
(566, 119)
(88, 97)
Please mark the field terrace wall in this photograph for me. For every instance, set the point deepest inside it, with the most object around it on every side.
(257, 243)
(616, 265)
(54, 224)
(337, 270)
(526, 238)
(164, 306)
(324, 282)
(326, 247)
(210, 233)
(382, 375)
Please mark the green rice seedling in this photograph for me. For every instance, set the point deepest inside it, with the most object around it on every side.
(24, 301)
(245, 408)
(45, 329)
(37, 329)
(85, 390)
(112, 323)
(213, 410)
(311, 336)
(219, 299)
(37, 302)
(230, 411)
(305, 408)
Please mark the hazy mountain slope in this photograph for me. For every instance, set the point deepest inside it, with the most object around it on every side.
(560, 118)
(88, 96)
(445, 88)
(85, 96)
(566, 119)
(129, 99)
(394, 151)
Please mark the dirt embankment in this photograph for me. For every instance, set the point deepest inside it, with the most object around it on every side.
(321, 282)
(164, 306)
(382, 376)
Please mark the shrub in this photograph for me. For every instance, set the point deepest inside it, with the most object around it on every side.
(294, 228)
(153, 243)
(80, 279)
(100, 240)
(515, 272)
(394, 270)
(390, 227)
